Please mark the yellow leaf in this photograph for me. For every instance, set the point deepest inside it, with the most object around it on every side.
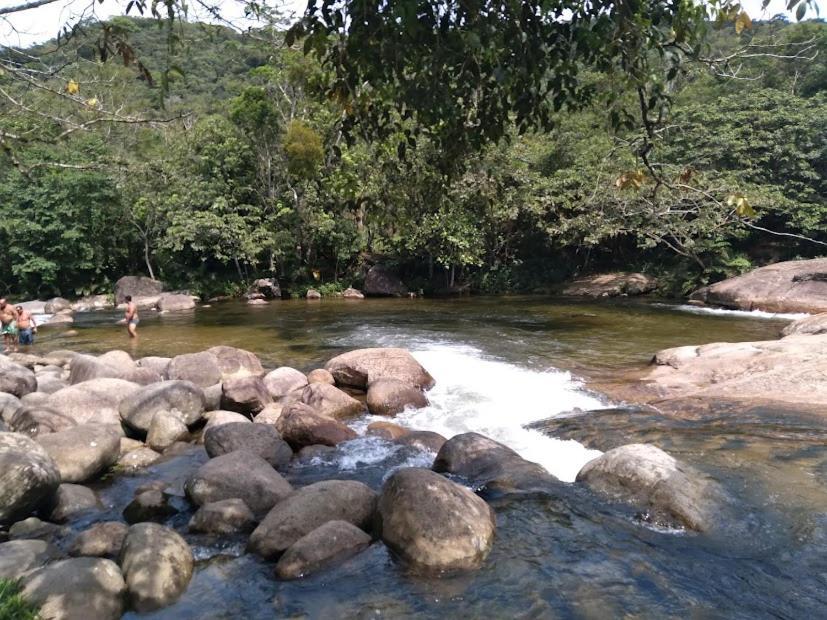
(742, 206)
(742, 22)
(73, 88)
(632, 179)
(93, 102)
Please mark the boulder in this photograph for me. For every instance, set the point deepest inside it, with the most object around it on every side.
(48, 383)
(239, 474)
(9, 405)
(56, 304)
(247, 395)
(76, 589)
(483, 461)
(28, 477)
(86, 367)
(312, 294)
(212, 396)
(433, 523)
(812, 325)
(57, 320)
(301, 426)
(309, 508)
(120, 360)
(282, 381)
(264, 441)
(138, 459)
(387, 430)
(159, 365)
(361, 368)
(320, 375)
(612, 285)
(352, 293)
(235, 362)
(389, 397)
(257, 302)
(92, 302)
(173, 302)
(425, 441)
(103, 540)
(219, 417)
(84, 451)
(269, 415)
(149, 505)
(181, 397)
(34, 528)
(94, 402)
(34, 399)
(382, 282)
(39, 420)
(72, 500)
(34, 306)
(224, 517)
(266, 287)
(330, 543)
(791, 286)
(166, 428)
(15, 379)
(137, 287)
(670, 492)
(200, 368)
(157, 565)
(20, 556)
(330, 401)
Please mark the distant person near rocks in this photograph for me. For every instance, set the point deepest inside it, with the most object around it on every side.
(131, 317)
(26, 327)
(8, 325)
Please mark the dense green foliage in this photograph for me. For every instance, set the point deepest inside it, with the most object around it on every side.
(247, 172)
(12, 604)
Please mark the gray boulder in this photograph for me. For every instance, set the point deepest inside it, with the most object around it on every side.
(432, 523)
(83, 452)
(311, 507)
(166, 428)
(20, 556)
(281, 381)
(9, 404)
(15, 379)
(361, 368)
(86, 367)
(265, 287)
(72, 500)
(425, 441)
(28, 477)
(301, 426)
(158, 364)
(201, 368)
(330, 401)
(331, 543)
(139, 458)
(39, 420)
(320, 375)
(49, 383)
(103, 540)
(173, 302)
(263, 441)
(220, 417)
(136, 287)
(181, 397)
(382, 282)
(56, 304)
(93, 402)
(37, 529)
(149, 505)
(247, 395)
(227, 516)
(235, 362)
(157, 565)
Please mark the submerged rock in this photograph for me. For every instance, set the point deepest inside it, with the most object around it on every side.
(433, 523)
(227, 516)
(28, 477)
(333, 542)
(362, 367)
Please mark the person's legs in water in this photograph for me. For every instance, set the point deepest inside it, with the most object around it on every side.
(131, 327)
(26, 337)
(10, 336)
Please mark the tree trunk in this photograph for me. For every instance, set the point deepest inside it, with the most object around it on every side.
(146, 259)
(238, 269)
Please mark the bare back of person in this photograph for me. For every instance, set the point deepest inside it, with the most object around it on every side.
(131, 317)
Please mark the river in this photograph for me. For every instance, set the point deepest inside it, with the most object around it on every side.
(501, 364)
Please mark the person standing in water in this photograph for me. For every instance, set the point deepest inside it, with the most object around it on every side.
(26, 327)
(131, 317)
(8, 325)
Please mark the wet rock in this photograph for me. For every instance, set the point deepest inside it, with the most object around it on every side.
(389, 397)
(103, 540)
(790, 286)
(247, 395)
(236, 363)
(312, 294)
(363, 367)
(264, 441)
(387, 430)
(269, 415)
(484, 461)
(138, 459)
(95, 401)
(309, 508)
(612, 285)
(219, 417)
(301, 426)
(433, 523)
(812, 325)
(137, 286)
(72, 500)
(426, 441)
(282, 381)
(382, 282)
(20, 556)
(308, 453)
(646, 476)
(128, 445)
(239, 474)
(158, 364)
(9, 404)
(157, 565)
(199, 368)
(150, 505)
(56, 304)
(320, 375)
(92, 302)
(34, 528)
(330, 401)
(329, 544)
(39, 420)
(181, 397)
(166, 428)
(82, 452)
(172, 302)
(267, 287)
(28, 477)
(257, 302)
(15, 379)
(227, 516)
(352, 293)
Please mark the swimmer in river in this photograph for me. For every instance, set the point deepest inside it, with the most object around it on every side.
(8, 325)
(131, 317)
(26, 327)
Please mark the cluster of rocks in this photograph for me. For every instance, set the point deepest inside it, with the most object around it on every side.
(69, 418)
(617, 284)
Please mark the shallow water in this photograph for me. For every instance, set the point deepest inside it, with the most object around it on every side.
(502, 364)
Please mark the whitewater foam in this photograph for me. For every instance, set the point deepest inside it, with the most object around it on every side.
(751, 314)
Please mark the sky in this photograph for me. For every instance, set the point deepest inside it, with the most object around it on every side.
(40, 24)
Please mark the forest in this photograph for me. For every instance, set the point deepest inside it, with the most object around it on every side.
(229, 161)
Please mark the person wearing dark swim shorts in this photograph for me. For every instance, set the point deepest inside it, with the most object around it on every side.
(26, 327)
(131, 317)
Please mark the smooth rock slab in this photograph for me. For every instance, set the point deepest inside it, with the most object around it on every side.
(83, 452)
(157, 565)
(329, 544)
(77, 589)
(264, 441)
(28, 477)
(224, 517)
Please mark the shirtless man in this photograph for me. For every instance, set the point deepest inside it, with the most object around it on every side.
(8, 325)
(26, 326)
(131, 316)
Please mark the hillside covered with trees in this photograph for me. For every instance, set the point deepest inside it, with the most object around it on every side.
(239, 167)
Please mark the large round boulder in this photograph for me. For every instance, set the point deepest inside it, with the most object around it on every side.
(166, 428)
(281, 381)
(158, 364)
(433, 523)
(235, 362)
(17, 557)
(361, 368)
(389, 397)
(56, 304)
(36, 420)
(247, 395)
(87, 367)
(382, 282)
(173, 302)
(200, 368)
(9, 405)
(103, 540)
(330, 543)
(71, 501)
(220, 417)
(15, 379)
(83, 452)
(670, 492)
(227, 516)
(240, 474)
(157, 565)
(310, 507)
(181, 397)
(264, 441)
(28, 477)
(330, 401)
(136, 287)
(94, 402)
(301, 426)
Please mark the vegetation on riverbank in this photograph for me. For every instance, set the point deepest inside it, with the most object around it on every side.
(246, 173)
(12, 604)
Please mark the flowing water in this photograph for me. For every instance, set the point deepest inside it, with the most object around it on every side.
(519, 370)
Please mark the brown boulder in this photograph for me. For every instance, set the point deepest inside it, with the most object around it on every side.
(200, 368)
(330, 401)
(282, 381)
(331, 543)
(387, 430)
(320, 375)
(103, 540)
(136, 286)
(247, 395)
(812, 325)
(362, 367)
(264, 441)
(427, 441)
(173, 302)
(235, 362)
(382, 282)
(612, 285)
(389, 397)
(301, 426)
(223, 517)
